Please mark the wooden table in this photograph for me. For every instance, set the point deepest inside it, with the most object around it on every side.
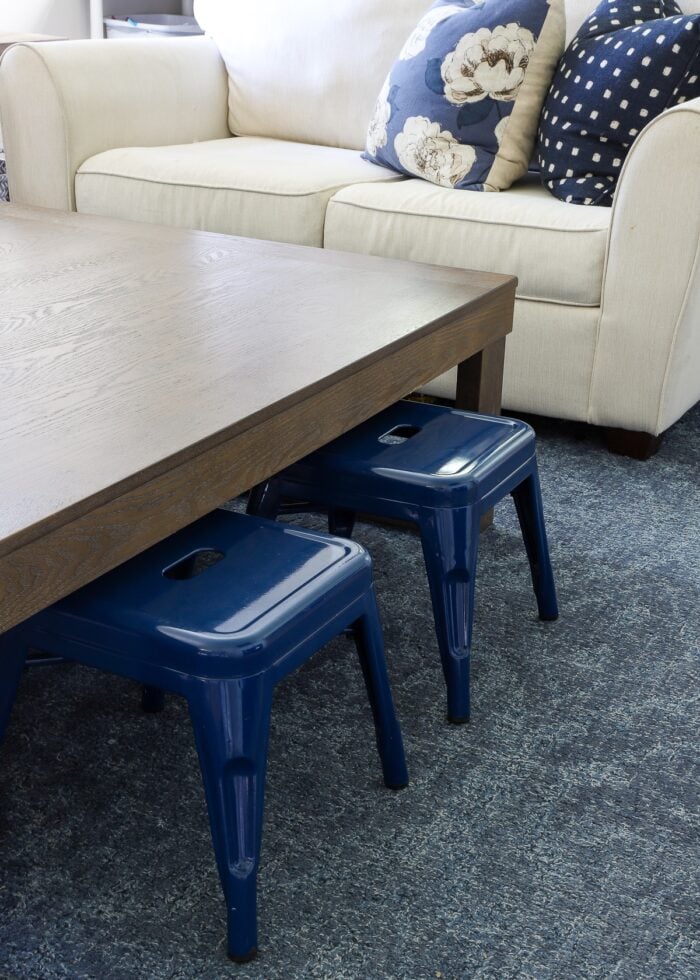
(149, 374)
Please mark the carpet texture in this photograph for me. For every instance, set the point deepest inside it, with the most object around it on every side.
(556, 836)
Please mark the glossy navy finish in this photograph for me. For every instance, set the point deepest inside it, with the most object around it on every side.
(219, 613)
(441, 469)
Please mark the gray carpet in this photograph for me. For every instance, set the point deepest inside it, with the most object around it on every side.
(554, 837)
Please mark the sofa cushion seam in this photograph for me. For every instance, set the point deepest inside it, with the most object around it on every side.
(480, 221)
(213, 187)
(558, 302)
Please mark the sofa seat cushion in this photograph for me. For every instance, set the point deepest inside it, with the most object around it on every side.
(557, 251)
(254, 187)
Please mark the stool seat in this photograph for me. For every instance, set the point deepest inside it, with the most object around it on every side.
(440, 468)
(219, 613)
(224, 589)
(425, 454)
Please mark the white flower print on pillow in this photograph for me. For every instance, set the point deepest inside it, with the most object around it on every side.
(488, 63)
(417, 41)
(433, 153)
(376, 131)
(447, 112)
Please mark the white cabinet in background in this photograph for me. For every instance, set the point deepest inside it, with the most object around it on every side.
(123, 8)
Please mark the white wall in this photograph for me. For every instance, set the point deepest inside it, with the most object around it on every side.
(70, 18)
(66, 18)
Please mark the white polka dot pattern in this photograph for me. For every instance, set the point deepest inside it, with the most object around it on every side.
(628, 63)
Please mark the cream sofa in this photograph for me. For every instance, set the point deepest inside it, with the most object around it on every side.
(607, 319)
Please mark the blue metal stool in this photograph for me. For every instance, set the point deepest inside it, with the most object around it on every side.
(441, 469)
(219, 613)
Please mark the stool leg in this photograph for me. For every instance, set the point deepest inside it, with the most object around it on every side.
(528, 504)
(450, 539)
(231, 721)
(341, 521)
(152, 700)
(367, 632)
(264, 500)
(13, 654)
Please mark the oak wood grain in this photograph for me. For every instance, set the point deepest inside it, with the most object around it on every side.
(148, 374)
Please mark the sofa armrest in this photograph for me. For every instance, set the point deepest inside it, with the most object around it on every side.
(646, 370)
(63, 102)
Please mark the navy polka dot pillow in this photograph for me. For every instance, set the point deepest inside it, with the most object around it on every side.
(629, 61)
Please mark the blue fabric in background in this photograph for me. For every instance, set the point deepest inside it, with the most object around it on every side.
(4, 193)
(631, 60)
(444, 106)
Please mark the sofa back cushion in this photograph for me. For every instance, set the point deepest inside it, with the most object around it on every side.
(307, 70)
(579, 10)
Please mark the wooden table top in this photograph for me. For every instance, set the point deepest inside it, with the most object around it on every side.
(140, 365)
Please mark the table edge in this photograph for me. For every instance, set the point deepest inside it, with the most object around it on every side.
(26, 535)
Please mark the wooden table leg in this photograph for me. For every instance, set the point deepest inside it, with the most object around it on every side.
(480, 380)
(479, 387)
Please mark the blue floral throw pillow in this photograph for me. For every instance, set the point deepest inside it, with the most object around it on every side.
(629, 61)
(461, 104)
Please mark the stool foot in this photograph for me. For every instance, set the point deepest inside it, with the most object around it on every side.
(152, 700)
(35, 658)
(458, 719)
(341, 522)
(13, 654)
(231, 720)
(450, 539)
(528, 504)
(245, 957)
(264, 500)
(370, 649)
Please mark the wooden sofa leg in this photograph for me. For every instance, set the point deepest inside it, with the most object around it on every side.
(638, 445)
